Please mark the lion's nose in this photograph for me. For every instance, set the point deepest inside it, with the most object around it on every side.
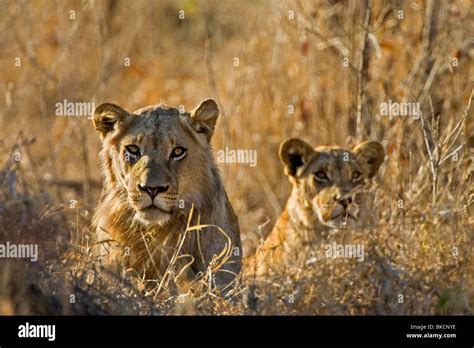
(153, 191)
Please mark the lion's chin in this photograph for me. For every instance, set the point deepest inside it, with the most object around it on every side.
(153, 215)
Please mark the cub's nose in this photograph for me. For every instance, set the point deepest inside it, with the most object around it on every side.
(153, 191)
(345, 202)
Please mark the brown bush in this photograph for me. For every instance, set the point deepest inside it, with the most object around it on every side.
(278, 69)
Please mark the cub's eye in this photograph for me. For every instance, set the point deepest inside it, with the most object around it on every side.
(356, 175)
(133, 149)
(321, 175)
(178, 153)
(132, 153)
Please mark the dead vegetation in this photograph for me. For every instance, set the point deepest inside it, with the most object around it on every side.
(317, 70)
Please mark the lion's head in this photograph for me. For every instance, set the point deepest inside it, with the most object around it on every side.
(155, 156)
(326, 179)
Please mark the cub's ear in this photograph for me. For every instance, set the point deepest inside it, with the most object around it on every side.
(294, 153)
(106, 117)
(370, 155)
(204, 117)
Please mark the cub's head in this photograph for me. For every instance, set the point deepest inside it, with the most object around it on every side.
(326, 179)
(157, 158)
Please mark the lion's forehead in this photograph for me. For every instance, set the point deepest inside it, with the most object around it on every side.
(157, 129)
(155, 123)
(158, 110)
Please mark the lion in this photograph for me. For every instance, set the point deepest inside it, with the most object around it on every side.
(326, 181)
(159, 180)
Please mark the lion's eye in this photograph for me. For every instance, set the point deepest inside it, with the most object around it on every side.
(321, 175)
(132, 153)
(356, 175)
(178, 153)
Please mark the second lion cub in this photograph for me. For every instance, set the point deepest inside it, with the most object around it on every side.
(325, 180)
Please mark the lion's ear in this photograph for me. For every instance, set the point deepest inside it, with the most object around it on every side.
(204, 117)
(370, 155)
(106, 117)
(294, 153)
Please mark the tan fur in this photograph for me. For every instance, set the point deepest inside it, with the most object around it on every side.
(132, 225)
(316, 205)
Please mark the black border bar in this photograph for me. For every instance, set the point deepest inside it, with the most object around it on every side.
(207, 330)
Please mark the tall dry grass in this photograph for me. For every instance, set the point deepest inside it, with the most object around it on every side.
(316, 70)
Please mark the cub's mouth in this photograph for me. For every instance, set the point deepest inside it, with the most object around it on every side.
(342, 220)
(339, 216)
(343, 216)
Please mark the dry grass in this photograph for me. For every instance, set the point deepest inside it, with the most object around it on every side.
(333, 64)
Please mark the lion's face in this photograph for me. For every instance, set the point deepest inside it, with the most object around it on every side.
(156, 154)
(327, 179)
